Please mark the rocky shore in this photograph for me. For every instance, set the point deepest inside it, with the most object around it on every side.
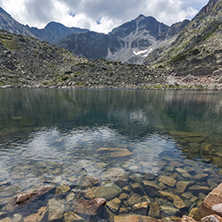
(27, 62)
(118, 193)
(93, 208)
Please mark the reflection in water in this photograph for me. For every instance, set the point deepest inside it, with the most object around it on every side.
(51, 136)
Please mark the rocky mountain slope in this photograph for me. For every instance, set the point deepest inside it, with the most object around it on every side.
(28, 62)
(9, 24)
(52, 33)
(129, 42)
(198, 48)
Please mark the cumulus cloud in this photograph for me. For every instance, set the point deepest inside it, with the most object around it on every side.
(99, 15)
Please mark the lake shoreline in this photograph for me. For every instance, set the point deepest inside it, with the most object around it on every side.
(173, 82)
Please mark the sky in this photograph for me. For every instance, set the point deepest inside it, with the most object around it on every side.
(99, 15)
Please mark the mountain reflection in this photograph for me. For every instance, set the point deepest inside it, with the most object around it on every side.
(50, 133)
(134, 113)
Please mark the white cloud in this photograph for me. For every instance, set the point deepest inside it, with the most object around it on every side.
(110, 13)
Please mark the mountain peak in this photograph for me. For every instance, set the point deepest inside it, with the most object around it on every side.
(141, 16)
(53, 24)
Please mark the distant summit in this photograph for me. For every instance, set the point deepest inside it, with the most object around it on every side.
(52, 33)
(130, 42)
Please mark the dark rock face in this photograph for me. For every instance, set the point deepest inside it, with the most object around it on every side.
(142, 33)
(91, 45)
(53, 32)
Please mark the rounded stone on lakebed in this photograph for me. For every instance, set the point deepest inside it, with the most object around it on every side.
(107, 190)
(167, 180)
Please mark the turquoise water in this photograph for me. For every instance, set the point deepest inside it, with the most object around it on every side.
(52, 137)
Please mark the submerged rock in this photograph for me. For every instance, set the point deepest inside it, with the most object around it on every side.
(117, 175)
(114, 152)
(108, 190)
(141, 208)
(7, 219)
(151, 188)
(187, 219)
(199, 188)
(211, 218)
(182, 185)
(178, 202)
(62, 189)
(89, 181)
(169, 181)
(114, 204)
(88, 207)
(183, 173)
(37, 217)
(211, 201)
(169, 211)
(135, 218)
(137, 188)
(24, 198)
(166, 195)
(72, 217)
(56, 209)
(134, 199)
(154, 210)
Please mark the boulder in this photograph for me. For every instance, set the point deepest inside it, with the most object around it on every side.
(89, 181)
(114, 152)
(117, 175)
(141, 208)
(210, 203)
(218, 208)
(7, 219)
(166, 195)
(134, 199)
(24, 198)
(108, 190)
(182, 185)
(211, 218)
(183, 173)
(137, 188)
(169, 211)
(187, 219)
(178, 202)
(56, 209)
(135, 218)
(62, 189)
(169, 181)
(151, 188)
(154, 210)
(114, 204)
(124, 196)
(198, 189)
(37, 216)
(88, 207)
(201, 176)
(72, 217)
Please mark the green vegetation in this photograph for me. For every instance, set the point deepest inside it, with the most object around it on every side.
(187, 53)
(9, 42)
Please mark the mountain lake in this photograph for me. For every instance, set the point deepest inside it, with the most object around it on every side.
(159, 148)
